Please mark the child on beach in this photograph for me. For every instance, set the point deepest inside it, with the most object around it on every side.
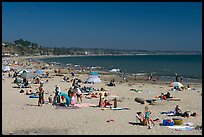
(147, 116)
(79, 94)
(50, 99)
(56, 97)
(69, 93)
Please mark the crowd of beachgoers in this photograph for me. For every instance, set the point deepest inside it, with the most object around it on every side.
(44, 98)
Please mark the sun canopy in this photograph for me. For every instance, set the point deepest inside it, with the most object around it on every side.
(93, 78)
(176, 84)
(6, 68)
(27, 75)
(22, 71)
(39, 72)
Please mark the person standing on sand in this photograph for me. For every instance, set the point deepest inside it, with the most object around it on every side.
(102, 93)
(147, 117)
(69, 93)
(57, 90)
(41, 94)
(79, 94)
(3, 78)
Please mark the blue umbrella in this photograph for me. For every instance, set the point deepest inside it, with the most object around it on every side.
(94, 73)
(39, 72)
(27, 75)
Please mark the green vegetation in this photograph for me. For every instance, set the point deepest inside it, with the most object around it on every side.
(27, 48)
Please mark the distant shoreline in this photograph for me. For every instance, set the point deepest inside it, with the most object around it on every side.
(126, 74)
(54, 56)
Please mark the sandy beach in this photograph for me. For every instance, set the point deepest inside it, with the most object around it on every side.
(21, 115)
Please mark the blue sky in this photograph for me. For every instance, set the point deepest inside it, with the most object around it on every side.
(120, 25)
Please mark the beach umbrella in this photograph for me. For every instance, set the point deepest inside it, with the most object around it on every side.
(93, 78)
(27, 75)
(22, 71)
(94, 73)
(30, 70)
(177, 84)
(6, 68)
(39, 72)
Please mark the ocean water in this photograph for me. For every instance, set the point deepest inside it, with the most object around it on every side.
(189, 66)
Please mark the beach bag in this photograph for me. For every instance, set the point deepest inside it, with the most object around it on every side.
(178, 121)
(168, 122)
(21, 91)
(140, 100)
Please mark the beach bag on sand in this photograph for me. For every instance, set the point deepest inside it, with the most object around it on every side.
(140, 100)
(21, 91)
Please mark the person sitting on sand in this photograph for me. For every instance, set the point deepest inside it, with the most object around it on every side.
(106, 103)
(37, 80)
(165, 96)
(94, 95)
(50, 99)
(29, 92)
(178, 111)
(141, 118)
(188, 87)
(168, 95)
(112, 83)
(65, 79)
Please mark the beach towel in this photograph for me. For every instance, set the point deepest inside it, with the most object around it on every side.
(125, 108)
(66, 107)
(168, 113)
(32, 96)
(84, 105)
(120, 108)
(173, 99)
(180, 128)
